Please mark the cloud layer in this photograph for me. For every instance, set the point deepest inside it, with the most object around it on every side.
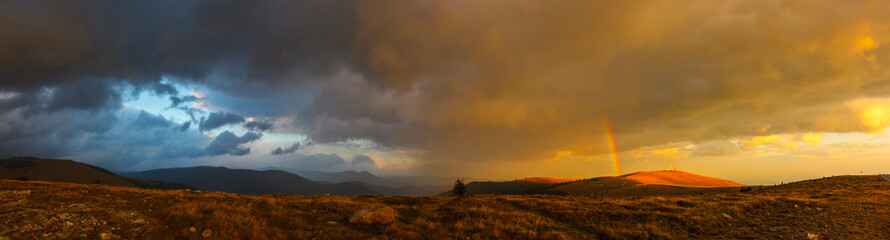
(440, 81)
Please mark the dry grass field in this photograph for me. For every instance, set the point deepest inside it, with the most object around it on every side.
(846, 207)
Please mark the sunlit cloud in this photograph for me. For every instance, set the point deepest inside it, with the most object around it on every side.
(426, 87)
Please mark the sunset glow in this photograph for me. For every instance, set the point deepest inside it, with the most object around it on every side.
(754, 91)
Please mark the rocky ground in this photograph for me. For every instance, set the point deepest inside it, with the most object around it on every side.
(848, 207)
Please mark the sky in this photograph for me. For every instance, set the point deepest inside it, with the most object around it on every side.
(758, 92)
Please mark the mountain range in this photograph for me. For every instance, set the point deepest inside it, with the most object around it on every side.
(245, 181)
(383, 185)
(301, 182)
(53, 170)
(639, 183)
(338, 177)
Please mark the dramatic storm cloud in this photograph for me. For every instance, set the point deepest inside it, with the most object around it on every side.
(218, 119)
(437, 84)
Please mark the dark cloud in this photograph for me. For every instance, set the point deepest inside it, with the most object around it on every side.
(176, 101)
(218, 119)
(453, 80)
(362, 160)
(52, 134)
(48, 42)
(148, 120)
(291, 149)
(123, 140)
(229, 143)
(659, 76)
(180, 102)
(185, 126)
(259, 125)
(87, 94)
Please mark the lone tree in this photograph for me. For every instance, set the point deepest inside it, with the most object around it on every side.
(459, 188)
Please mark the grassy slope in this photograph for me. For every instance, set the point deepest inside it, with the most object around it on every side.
(837, 208)
(57, 170)
(678, 178)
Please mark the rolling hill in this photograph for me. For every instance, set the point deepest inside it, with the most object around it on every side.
(646, 183)
(56, 170)
(678, 178)
(246, 181)
(639, 183)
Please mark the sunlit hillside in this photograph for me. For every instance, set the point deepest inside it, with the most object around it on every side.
(678, 178)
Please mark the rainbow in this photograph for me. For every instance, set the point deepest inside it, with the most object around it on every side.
(610, 138)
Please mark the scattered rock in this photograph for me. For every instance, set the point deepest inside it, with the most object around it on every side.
(726, 215)
(108, 236)
(140, 221)
(79, 207)
(382, 215)
(206, 233)
(87, 229)
(811, 236)
(192, 229)
(332, 223)
(69, 224)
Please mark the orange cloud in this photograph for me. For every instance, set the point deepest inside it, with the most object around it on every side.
(460, 81)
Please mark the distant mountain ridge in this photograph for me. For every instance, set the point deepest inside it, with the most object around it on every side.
(638, 183)
(548, 180)
(58, 170)
(344, 176)
(246, 181)
(382, 185)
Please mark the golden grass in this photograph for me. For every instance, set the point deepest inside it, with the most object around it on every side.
(836, 208)
(679, 178)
